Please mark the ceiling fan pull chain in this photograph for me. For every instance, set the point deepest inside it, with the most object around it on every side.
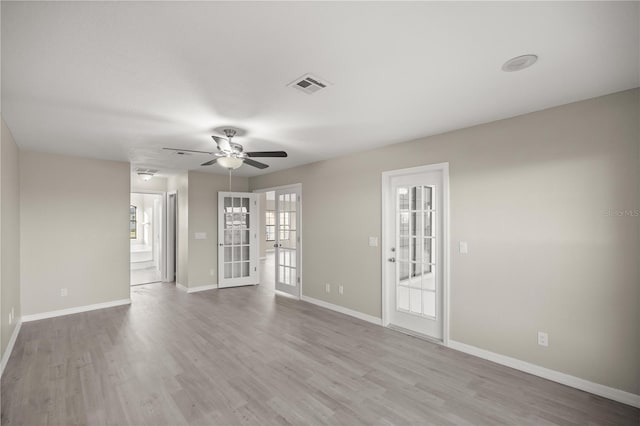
(229, 180)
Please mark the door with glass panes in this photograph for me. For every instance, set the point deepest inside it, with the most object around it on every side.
(238, 239)
(415, 251)
(287, 240)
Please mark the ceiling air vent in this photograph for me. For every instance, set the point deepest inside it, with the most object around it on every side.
(308, 84)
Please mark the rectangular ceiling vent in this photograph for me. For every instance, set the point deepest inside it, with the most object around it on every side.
(145, 170)
(308, 84)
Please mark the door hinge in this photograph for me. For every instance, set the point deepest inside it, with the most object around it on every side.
(298, 280)
(255, 268)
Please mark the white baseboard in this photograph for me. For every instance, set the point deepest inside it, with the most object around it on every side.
(201, 288)
(76, 310)
(283, 294)
(9, 349)
(546, 373)
(343, 310)
(196, 289)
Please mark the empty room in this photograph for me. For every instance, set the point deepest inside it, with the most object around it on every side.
(320, 213)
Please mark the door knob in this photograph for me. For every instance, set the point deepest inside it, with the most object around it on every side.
(392, 259)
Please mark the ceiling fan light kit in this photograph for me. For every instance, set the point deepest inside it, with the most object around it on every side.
(230, 162)
(145, 173)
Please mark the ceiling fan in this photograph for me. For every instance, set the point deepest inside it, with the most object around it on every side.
(230, 155)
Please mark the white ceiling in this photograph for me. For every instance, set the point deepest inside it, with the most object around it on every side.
(121, 80)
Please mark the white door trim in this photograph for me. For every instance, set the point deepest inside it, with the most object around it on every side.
(298, 187)
(276, 188)
(386, 179)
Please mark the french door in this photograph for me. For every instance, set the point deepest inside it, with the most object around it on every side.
(238, 239)
(287, 240)
(414, 272)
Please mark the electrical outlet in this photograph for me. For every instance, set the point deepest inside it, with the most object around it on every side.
(64, 292)
(543, 338)
(340, 289)
(212, 272)
(327, 288)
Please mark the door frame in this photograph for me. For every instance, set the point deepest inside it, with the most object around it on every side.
(163, 227)
(174, 244)
(297, 186)
(446, 247)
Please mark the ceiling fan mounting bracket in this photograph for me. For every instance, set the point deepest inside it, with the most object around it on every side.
(229, 133)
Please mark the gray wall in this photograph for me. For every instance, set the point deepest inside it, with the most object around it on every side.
(203, 217)
(197, 260)
(530, 194)
(9, 236)
(73, 231)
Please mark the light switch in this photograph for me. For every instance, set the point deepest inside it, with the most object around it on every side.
(373, 241)
(464, 247)
(200, 235)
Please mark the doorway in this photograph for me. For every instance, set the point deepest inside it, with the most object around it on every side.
(415, 250)
(146, 238)
(282, 237)
(172, 229)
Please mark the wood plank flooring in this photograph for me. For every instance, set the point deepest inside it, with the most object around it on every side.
(245, 356)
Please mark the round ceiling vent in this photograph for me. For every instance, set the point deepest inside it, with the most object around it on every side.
(519, 63)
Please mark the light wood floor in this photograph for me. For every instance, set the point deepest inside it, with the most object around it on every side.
(245, 356)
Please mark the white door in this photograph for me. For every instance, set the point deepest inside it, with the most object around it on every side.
(287, 241)
(238, 239)
(414, 247)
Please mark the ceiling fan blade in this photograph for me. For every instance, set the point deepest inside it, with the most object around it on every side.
(255, 163)
(267, 154)
(189, 150)
(210, 162)
(223, 144)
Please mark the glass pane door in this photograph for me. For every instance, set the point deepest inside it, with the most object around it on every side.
(287, 241)
(414, 272)
(238, 240)
(415, 284)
